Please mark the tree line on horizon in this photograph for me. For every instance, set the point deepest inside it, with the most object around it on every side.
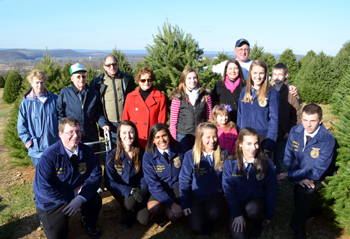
(319, 78)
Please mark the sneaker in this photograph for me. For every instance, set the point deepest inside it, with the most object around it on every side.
(93, 232)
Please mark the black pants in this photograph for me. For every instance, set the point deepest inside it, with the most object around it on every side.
(304, 198)
(130, 208)
(55, 222)
(205, 214)
(253, 210)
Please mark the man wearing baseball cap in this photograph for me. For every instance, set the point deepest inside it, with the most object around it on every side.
(242, 50)
(82, 102)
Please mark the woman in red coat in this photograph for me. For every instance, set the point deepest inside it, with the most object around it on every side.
(145, 106)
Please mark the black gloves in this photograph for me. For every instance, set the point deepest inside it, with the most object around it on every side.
(139, 194)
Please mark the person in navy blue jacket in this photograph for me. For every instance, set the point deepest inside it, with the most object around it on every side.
(258, 106)
(249, 182)
(37, 123)
(83, 103)
(124, 175)
(66, 180)
(161, 168)
(202, 197)
(309, 157)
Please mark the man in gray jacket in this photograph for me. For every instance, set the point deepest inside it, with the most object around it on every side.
(113, 85)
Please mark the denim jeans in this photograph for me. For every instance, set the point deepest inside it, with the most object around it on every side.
(278, 154)
(187, 140)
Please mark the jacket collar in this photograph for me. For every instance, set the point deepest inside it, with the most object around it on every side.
(30, 94)
(63, 153)
(319, 137)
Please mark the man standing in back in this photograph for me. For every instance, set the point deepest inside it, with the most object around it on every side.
(113, 85)
(242, 50)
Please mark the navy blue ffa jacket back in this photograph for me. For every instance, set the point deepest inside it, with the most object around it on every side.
(261, 116)
(161, 174)
(120, 179)
(240, 188)
(202, 181)
(56, 177)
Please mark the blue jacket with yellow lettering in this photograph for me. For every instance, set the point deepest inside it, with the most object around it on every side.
(161, 175)
(240, 188)
(202, 181)
(263, 116)
(313, 162)
(56, 177)
(120, 179)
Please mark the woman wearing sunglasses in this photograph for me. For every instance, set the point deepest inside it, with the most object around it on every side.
(145, 106)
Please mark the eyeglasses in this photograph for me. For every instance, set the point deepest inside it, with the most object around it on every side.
(71, 133)
(81, 76)
(242, 49)
(144, 80)
(112, 64)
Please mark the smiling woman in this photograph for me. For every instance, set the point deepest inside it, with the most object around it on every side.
(161, 166)
(145, 101)
(201, 192)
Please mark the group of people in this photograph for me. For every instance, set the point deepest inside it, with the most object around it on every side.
(217, 147)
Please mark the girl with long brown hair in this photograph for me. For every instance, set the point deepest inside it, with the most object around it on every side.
(190, 105)
(250, 184)
(124, 175)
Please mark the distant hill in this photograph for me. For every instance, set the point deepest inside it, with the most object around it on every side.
(12, 55)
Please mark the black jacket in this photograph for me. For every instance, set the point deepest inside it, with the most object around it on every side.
(221, 95)
(128, 85)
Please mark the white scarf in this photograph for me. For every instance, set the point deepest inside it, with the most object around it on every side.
(192, 95)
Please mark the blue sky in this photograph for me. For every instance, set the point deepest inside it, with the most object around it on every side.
(216, 25)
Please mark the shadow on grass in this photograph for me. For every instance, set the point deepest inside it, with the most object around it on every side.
(7, 230)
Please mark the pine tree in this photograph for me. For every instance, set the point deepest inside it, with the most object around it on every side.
(341, 63)
(304, 61)
(172, 52)
(315, 84)
(123, 61)
(307, 58)
(11, 139)
(256, 52)
(288, 58)
(339, 95)
(337, 192)
(220, 57)
(270, 61)
(90, 74)
(54, 82)
(12, 87)
(2, 82)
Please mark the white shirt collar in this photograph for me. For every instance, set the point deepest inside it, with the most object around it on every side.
(211, 155)
(312, 135)
(167, 150)
(245, 162)
(69, 153)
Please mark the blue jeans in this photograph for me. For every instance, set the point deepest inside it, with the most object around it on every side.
(35, 161)
(187, 140)
(278, 154)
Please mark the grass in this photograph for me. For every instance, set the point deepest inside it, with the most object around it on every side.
(17, 204)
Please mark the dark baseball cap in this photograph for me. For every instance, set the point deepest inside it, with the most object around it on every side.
(241, 41)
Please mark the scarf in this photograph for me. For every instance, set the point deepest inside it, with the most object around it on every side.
(192, 95)
(231, 86)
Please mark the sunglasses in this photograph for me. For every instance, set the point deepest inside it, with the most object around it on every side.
(81, 76)
(144, 80)
(112, 64)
